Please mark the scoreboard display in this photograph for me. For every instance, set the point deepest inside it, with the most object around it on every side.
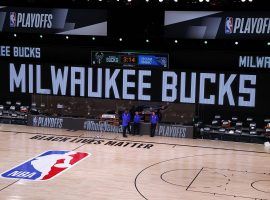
(129, 59)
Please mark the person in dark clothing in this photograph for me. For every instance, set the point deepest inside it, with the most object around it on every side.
(125, 122)
(154, 121)
(136, 124)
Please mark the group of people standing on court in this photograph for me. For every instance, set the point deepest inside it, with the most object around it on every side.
(126, 120)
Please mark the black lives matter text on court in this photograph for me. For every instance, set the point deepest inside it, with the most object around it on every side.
(91, 141)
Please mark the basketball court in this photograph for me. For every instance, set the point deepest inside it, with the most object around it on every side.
(136, 167)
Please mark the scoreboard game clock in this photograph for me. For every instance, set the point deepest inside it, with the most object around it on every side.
(129, 59)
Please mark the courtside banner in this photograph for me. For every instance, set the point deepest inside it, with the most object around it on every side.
(217, 25)
(53, 21)
(167, 130)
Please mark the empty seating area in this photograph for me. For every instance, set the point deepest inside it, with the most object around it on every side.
(14, 113)
(236, 129)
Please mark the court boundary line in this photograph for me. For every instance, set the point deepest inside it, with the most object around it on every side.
(78, 147)
(150, 142)
(9, 185)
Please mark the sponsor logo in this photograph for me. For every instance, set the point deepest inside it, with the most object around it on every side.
(12, 19)
(45, 166)
(229, 25)
(101, 126)
(50, 122)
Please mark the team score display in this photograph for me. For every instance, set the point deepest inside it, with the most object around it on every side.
(129, 60)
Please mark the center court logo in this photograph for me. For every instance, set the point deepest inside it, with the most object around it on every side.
(45, 166)
(229, 25)
(12, 21)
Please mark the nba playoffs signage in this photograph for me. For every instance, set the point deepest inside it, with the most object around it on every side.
(176, 131)
(237, 90)
(217, 25)
(54, 21)
(43, 121)
(54, 122)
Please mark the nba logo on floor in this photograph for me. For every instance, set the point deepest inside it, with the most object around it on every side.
(12, 20)
(229, 25)
(45, 166)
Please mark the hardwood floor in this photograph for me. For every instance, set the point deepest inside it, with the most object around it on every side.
(135, 167)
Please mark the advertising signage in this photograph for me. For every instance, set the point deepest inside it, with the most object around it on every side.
(53, 21)
(217, 25)
(167, 130)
